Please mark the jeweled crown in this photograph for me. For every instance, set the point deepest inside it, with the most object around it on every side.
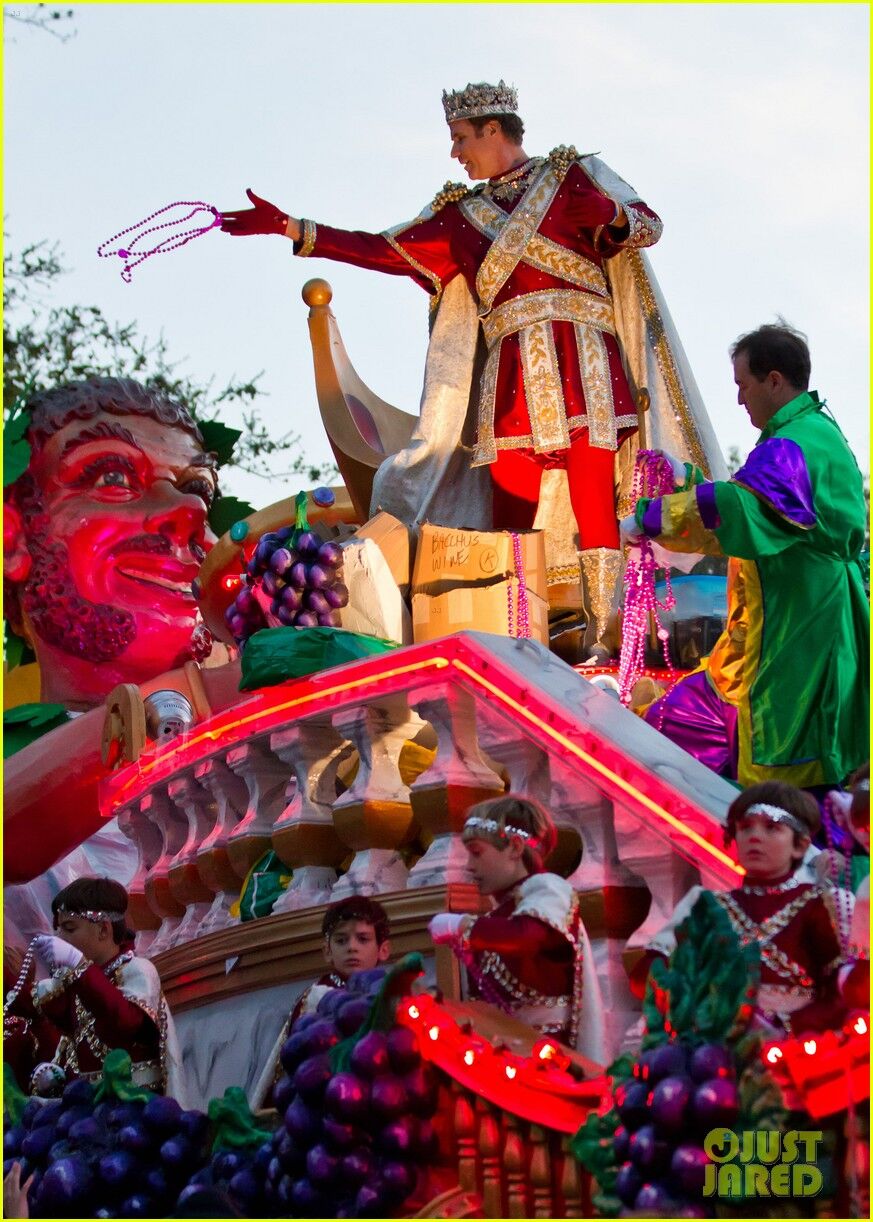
(480, 99)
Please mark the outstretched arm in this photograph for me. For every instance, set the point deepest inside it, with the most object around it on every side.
(264, 217)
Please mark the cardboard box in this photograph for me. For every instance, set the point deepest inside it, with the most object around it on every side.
(394, 540)
(483, 608)
(447, 558)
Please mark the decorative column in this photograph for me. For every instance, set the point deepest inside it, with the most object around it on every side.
(304, 835)
(665, 872)
(143, 833)
(213, 860)
(266, 779)
(457, 779)
(186, 882)
(172, 829)
(374, 817)
(232, 800)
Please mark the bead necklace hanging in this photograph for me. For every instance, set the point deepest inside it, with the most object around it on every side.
(26, 963)
(653, 477)
(521, 628)
(172, 241)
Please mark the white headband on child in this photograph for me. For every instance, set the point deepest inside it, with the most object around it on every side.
(92, 914)
(776, 814)
(490, 827)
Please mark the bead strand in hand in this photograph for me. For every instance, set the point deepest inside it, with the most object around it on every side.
(264, 217)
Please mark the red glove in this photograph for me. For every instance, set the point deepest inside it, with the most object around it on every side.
(263, 218)
(588, 208)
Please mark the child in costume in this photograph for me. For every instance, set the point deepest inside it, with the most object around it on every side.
(356, 932)
(802, 928)
(98, 994)
(356, 939)
(530, 956)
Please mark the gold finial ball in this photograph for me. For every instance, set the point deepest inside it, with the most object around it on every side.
(317, 292)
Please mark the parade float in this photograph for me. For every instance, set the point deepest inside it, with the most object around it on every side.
(370, 683)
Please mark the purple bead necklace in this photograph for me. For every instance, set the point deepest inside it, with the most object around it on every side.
(522, 627)
(653, 476)
(172, 241)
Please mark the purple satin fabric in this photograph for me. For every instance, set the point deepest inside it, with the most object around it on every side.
(652, 518)
(693, 716)
(706, 506)
(776, 472)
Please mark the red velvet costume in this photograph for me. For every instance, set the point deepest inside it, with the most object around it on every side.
(93, 1014)
(549, 325)
(796, 929)
(516, 959)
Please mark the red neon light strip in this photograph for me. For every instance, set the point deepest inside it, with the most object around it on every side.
(581, 754)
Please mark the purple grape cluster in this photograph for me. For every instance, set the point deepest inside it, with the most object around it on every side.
(106, 1159)
(666, 1109)
(240, 1173)
(350, 1141)
(293, 579)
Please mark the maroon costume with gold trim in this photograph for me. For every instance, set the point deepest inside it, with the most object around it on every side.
(795, 924)
(554, 390)
(93, 1015)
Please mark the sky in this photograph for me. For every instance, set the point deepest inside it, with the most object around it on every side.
(744, 126)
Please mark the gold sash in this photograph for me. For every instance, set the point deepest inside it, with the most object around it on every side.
(541, 252)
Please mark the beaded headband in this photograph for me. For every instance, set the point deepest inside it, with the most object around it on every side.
(861, 786)
(95, 915)
(776, 814)
(480, 99)
(477, 827)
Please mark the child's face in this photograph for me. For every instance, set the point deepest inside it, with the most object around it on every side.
(352, 947)
(93, 939)
(766, 849)
(495, 869)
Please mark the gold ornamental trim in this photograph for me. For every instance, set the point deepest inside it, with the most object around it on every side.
(597, 384)
(520, 226)
(541, 253)
(310, 234)
(547, 305)
(419, 267)
(666, 363)
(542, 387)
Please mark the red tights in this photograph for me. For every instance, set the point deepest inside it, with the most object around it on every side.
(516, 477)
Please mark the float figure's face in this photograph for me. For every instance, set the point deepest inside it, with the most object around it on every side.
(116, 529)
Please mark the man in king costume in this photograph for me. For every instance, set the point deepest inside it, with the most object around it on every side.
(540, 263)
(785, 694)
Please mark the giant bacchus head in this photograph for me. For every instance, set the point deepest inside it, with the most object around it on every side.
(103, 535)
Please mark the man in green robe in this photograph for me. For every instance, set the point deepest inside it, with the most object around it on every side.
(785, 693)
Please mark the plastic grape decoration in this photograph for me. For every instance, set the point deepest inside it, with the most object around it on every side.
(292, 579)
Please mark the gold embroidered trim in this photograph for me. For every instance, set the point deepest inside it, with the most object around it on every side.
(644, 229)
(547, 305)
(666, 364)
(525, 440)
(429, 275)
(520, 226)
(562, 575)
(597, 385)
(541, 252)
(307, 244)
(763, 932)
(542, 387)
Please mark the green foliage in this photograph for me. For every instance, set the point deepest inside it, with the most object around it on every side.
(16, 447)
(225, 510)
(708, 979)
(593, 1147)
(16, 650)
(25, 723)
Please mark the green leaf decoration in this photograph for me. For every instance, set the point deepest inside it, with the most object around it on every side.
(234, 1122)
(27, 722)
(16, 650)
(14, 1098)
(709, 980)
(219, 439)
(117, 1080)
(16, 447)
(225, 510)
